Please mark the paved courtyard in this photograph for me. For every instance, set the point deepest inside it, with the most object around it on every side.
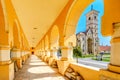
(94, 63)
(35, 69)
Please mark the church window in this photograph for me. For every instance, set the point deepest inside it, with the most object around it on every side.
(94, 17)
(89, 18)
(89, 27)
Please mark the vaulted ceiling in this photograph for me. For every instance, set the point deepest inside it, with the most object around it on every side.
(37, 16)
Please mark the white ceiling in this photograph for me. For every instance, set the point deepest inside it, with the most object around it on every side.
(38, 14)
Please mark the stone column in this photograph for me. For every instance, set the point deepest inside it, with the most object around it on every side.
(6, 65)
(16, 57)
(115, 49)
(48, 52)
(43, 54)
(26, 54)
(45, 57)
(113, 71)
(48, 55)
(67, 52)
(4, 55)
(51, 53)
(38, 53)
(55, 53)
(23, 56)
(51, 57)
(67, 57)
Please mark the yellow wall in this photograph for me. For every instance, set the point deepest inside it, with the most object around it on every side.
(67, 21)
(86, 72)
(3, 33)
(59, 22)
(111, 15)
(7, 72)
(15, 30)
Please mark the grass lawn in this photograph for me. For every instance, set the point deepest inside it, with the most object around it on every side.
(105, 58)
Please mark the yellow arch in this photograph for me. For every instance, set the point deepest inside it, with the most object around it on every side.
(46, 42)
(43, 45)
(54, 37)
(111, 15)
(72, 19)
(16, 35)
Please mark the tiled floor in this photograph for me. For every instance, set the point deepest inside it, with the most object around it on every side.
(35, 69)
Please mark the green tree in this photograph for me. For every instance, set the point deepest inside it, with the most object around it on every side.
(77, 52)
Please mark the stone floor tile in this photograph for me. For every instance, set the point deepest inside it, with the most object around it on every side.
(36, 69)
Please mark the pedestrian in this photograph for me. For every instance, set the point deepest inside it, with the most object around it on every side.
(101, 54)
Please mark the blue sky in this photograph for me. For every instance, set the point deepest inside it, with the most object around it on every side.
(81, 26)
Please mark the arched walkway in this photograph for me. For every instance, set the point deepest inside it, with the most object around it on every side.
(16, 36)
(36, 69)
(54, 37)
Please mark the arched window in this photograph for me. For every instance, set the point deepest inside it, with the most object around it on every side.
(89, 18)
(95, 17)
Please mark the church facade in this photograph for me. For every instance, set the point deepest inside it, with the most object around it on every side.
(88, 41)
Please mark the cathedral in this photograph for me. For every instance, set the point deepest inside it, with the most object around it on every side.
(88, 41)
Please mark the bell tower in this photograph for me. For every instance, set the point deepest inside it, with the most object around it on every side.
(92, 24)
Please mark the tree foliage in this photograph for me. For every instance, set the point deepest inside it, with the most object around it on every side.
(77, 52)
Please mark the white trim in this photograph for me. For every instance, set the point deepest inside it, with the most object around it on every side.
(23, 53)
(4, 55)
(16, 54)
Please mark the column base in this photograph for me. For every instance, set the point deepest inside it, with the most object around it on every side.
(42, 57)
(50, 61)
(23, 59)
(7, 72)
(109, 75)
(66, 59)
(114, 68)
(18, 62)
(26, 56)
(62, 66)
(45, 58)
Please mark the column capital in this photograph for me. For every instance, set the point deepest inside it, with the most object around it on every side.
(115, 25)
(114, 68)
(51, 50)
(16, 49)
(5, 62)
(54, 49)
(4, 47)
(115, 44)
(48, 49)
(116, 33)
(67, 53)
(115, 40)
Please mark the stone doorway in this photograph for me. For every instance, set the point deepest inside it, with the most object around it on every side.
(89, 41)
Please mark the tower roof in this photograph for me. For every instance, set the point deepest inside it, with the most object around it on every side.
(92, 11)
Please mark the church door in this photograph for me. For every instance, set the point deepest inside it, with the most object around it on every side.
(89, 45)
